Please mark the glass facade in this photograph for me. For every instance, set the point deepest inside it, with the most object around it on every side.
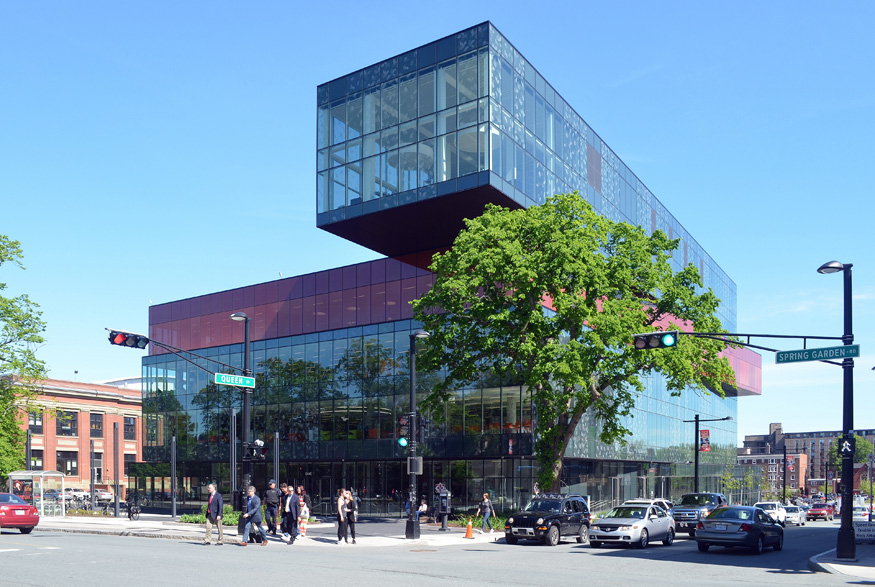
(330, 349)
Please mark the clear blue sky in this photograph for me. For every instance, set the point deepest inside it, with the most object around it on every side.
(154, 151)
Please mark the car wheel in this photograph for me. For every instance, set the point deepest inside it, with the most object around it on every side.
(779, 545)
(703, 546)
(510, 538)
(594, 544)
(760, 546)
(552, 538)
(583, 534)
(26, 530)
(642, 542)
(669, 538)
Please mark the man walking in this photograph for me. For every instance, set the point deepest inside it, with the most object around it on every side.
(252, 515)
(271, 506)
(214, 514)
(291, 514)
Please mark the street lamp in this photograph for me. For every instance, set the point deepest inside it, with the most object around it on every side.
(697, 419)
(846, 546)
(412, 530)
(247, 372)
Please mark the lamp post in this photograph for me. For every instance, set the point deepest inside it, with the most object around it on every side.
(846, 546)
(412, 530)
(247, 395)
(696, 447)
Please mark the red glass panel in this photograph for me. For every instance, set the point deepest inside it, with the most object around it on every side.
(335, 279)
(408, 294)
(350, 309)
(363, 305)
(363, 274)
(270, 317)
(309, 314)
(284, 318)
(321, 312)
(335, 310)
(296, 316)
(393, 300)
(378, 303)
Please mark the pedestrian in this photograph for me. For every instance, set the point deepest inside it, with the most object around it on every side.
(252, 515)
(271, 506)
(291, 509)
(422, 511)
(306, 508)
(486, 510)
(351, 513)
(214, 515)
(341, 516)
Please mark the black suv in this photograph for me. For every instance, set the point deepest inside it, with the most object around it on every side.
(549, 517)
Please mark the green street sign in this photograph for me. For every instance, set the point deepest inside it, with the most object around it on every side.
(848, 351)
(238, 380)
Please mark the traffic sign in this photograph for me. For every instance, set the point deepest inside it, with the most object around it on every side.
(238, 380)
(837, 352)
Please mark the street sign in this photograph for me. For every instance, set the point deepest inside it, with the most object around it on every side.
(848, 351)
(238, 380)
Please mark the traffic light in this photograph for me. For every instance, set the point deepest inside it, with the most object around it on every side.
(656, 340)
(422, 428)
(403, 432)
(257, 451)
(128, 339)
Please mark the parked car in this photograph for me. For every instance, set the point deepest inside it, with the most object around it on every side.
(739, 526)
(821, 510)
(795, 515)
(633, 525)
(17, 513)
(52, 494)
(548, 517)
(663, 503)
(103, 495)
(72, 492)
(692, 507)
(775, 509)
(861, 513)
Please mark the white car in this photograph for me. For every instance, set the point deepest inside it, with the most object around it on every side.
(795, 515)
(71, 492)
(861, 513)
(775, 509)
(103, 495)
(663, 503)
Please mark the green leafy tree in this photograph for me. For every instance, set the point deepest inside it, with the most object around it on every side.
(862, 449)
(20, 371)
(552, 295)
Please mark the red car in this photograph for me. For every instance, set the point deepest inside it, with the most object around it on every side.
(17, 513)
(821, 510)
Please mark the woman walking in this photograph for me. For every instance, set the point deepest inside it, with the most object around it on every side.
(486, 510)
(342, 516)
(351, 513)
(304, 502)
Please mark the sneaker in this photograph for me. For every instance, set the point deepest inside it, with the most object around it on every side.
(339, 541)
(243, 543)
(353, 540)
(220, 544)
(206, 542)
(492, 530)
(480, 530)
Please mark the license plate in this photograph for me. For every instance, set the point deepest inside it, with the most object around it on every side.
(720, 526)
(19, 512)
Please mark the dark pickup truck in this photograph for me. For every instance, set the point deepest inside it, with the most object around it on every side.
(692, 507)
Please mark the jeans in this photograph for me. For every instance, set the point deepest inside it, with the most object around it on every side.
(246, 530)
(486, 520)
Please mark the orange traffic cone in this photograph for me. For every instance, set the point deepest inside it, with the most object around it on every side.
(470, 532)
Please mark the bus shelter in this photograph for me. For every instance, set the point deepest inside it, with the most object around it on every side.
(42, 489)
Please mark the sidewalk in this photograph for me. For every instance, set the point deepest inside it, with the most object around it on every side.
(863, 567)
(320, 534)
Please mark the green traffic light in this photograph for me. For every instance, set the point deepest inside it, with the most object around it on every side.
(668, 339)
(402, 442)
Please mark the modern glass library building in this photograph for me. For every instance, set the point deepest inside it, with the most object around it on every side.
(406, 149)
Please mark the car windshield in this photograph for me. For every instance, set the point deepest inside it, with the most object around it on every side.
(9, 498)
(734, 513)
(695, 500)
(791, 509)
(765, 506)
(627, 512)
(820, 506)
(543, 505)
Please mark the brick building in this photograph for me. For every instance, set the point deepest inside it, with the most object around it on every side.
(85, 413)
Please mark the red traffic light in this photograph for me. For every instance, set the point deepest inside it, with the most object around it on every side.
(128, 339)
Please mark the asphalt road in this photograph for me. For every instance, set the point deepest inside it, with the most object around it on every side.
(52, 559)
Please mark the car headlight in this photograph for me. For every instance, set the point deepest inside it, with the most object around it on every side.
(624, 528)
(510, 520)
(540, 521)
(595, 527)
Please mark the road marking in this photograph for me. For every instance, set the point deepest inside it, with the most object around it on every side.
(9, 549)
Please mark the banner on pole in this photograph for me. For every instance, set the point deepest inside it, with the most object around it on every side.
(704, 441)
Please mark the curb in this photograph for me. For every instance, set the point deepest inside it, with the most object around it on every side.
(816, 566)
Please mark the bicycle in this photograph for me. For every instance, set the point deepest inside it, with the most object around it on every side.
(133, 511)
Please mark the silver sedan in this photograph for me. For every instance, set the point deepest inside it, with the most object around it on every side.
(634, 525)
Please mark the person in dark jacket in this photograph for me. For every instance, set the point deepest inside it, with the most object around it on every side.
(214, 514)
(252, 515)
(271, 506)
(291, 510)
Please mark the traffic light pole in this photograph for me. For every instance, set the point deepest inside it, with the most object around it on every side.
(412, 529)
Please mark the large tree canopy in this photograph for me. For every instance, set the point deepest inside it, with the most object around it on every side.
(602, 282)
(20, 333)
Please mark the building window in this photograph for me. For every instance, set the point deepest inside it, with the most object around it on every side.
(35, 422)
(67, 424)
(129, 459)
(67, 462)
(96, 425)
(36, 460)
(97, 463)
(130, 428)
